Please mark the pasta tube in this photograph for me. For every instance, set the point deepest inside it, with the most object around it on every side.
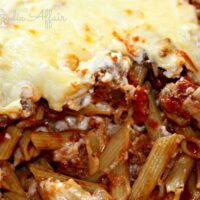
(179, 174)
(154, 166)
(117, 145)
(9, 143)
(50, 141)
(120, 182)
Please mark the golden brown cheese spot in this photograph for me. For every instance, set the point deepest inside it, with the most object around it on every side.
(15, 26)
(136, 38)
(87, 28)
(33, 32)
(84, 72)
(88, 34)
(130, 48)
(180, 63)
(59, 3)
(128, 12)
(72, 61)
(88, 39)
(1, 49)
(179, 4)
(113, 57)
(75, 85)
(165, 47)
(117, 36)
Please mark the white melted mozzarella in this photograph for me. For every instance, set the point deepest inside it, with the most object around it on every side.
(69, 190)
(40, 48)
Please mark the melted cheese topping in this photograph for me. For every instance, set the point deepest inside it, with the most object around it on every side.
(42, 42)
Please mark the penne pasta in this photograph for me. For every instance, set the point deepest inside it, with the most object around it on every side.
(44, 163)
(50, 141)
(41, 174)
(191, 146)
(137, 74)
(118, 144)
(177, 195)
(194, 193)
(120, 182)
(97, 138)
(120, 115)
(39, 115)
(97, 109)
(27, 148)
(95, 141)
(178, 176)
(13, 196)
(161, 153)
(93, 160)
(186, 131)
(9, 143)
(10, 179)
(153, 122)
(18, 157)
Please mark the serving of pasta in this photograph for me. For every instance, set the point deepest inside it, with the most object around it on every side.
(100, 100)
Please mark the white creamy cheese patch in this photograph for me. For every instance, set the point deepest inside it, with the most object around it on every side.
(40, 39)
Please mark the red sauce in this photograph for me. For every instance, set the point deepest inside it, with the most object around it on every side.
(157, 82)
(192, 147)
(195, 3)
(115, 180)
(173, 103)
(100, 94)
(152, 123)
(174, 106)
(182, 87)
(52, 114)
(140, 106)
(114, 59)
(84, 72)
(103, 93)
(131, 78)
(75, 167)
(136, 38)
(61, 165)
(117, 97)
(76, 137)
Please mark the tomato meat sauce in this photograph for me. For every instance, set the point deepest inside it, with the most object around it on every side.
(192, 147)
(173, 102)
(140, 106)
(153, 124)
